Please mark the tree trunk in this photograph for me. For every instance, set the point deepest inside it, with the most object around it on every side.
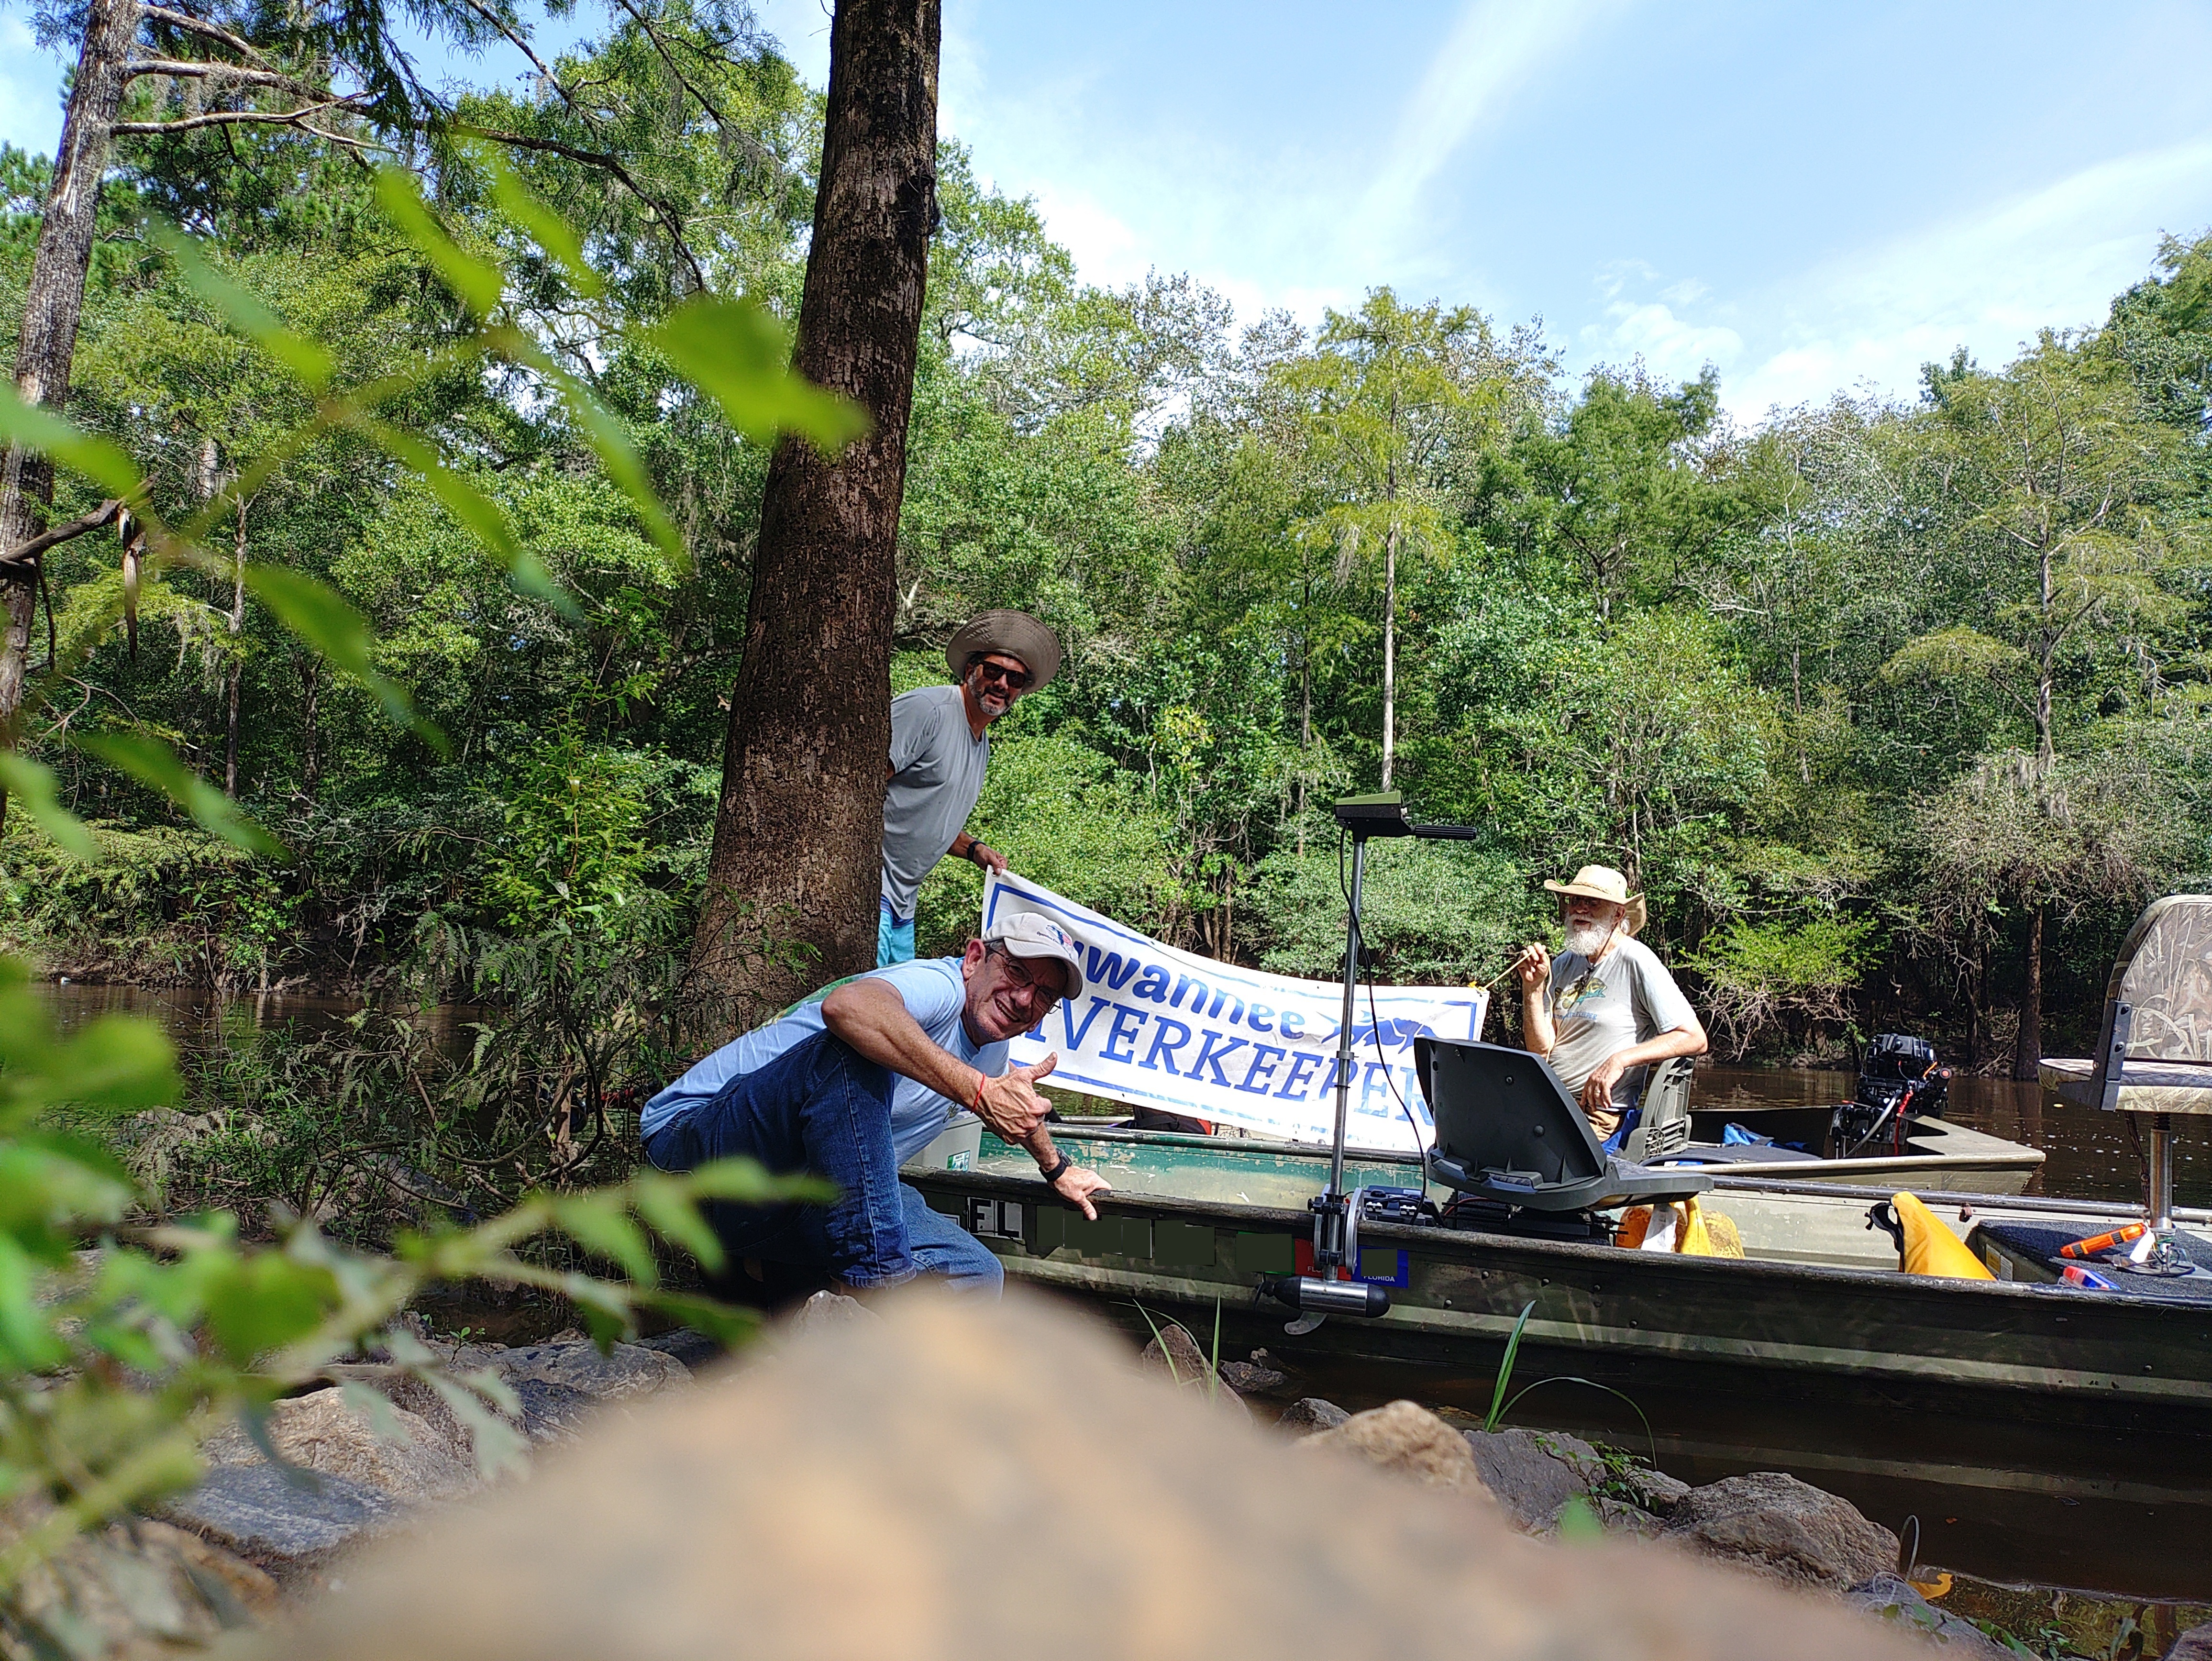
(311, 676)
(51, 310)
(1389, 652)
(2028, 1051)
(237, 664)
(793, 877)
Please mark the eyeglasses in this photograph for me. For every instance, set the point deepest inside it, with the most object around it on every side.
(1016, 679)
(1024, 979)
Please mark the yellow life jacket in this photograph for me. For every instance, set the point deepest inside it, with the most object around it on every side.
(1692, 1230)
(1930, 1248)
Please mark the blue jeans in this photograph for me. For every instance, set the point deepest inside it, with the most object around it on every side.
(893, 939)
(820, 1107)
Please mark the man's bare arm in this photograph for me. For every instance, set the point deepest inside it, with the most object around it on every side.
(875, 1019)
(1597, 1089)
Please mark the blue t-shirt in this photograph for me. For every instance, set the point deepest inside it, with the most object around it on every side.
(935, 995)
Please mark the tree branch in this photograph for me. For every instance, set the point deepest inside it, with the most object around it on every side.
(27, 553)
(240, 118)
(521, 44)
(595, 159)
(211, 31)
(195, 69)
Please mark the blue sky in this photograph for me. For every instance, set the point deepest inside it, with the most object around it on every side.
(1814, 198)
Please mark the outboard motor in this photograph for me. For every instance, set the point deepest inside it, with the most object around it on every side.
(1899, 1080)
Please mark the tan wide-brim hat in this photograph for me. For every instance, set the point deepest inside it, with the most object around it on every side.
(1017, 634)
(1602, 882)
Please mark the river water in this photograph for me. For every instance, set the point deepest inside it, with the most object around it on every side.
(2089, 1154)
(2110, 1519)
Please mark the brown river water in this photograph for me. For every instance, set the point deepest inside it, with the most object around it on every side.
(2005, 1506)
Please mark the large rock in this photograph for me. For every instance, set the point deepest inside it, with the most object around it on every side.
(1409, 1441)
(1779, 1526)
(693, 1348)
(1309, 1414)
(2194, 1645)
(1175, 1356)
(551, 1413)
(1892, 1598)
(868, 1495)
(625, 1373)
(1534, 1473)
(133, 1591)
(292, 1531)
(323, 1431)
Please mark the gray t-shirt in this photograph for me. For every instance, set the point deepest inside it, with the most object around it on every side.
(937, 773)
(1627, 997)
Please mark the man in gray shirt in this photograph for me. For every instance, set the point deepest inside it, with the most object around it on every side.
(1605, 1008)
(939, 749)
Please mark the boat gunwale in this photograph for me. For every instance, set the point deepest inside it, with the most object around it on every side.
(1468, 1241)
(1074, 1130)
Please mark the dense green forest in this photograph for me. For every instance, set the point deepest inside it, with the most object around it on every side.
(1898, 711)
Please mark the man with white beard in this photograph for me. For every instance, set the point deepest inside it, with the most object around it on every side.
(1606, 1008)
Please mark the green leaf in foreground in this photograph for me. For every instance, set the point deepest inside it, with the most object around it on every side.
(35, 429)
(541, 224)
(33, 785)
(476, 511)
(319, 615)
(246, 312)
(736, 353)
(156, 765)
(476, 281)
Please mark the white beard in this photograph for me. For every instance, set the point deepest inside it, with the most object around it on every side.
(1588, 940)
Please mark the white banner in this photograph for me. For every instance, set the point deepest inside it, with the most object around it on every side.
(1166, 1029)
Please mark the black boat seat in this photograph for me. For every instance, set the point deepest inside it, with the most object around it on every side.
(1508, 1130)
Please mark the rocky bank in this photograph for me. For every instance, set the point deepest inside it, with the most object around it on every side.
(946, 1479)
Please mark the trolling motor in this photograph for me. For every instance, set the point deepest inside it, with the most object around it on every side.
(1336, 1215)
(1899, 1080)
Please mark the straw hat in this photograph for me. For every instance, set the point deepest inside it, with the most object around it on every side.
(1602, 882)
(1017, 634)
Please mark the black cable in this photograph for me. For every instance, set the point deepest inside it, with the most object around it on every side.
(1358, 936)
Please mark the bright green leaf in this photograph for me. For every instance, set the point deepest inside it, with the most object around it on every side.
(598, 1223)
(736, 353)
(246, 312)
(33, 786)
(542, 225)
(319, 615)
(156, 765)
(265, 1300)
(41, 429)
(749, 1182)
(662, 1202)
(476, 281)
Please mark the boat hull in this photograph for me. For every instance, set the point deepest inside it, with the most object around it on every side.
(1821, 1316)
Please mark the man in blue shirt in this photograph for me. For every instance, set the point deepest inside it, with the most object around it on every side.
(852, 1082)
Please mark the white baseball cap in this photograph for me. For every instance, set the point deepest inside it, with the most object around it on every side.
(1030, 934)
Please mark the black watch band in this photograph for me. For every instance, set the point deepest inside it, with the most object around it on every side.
(1058, 1170)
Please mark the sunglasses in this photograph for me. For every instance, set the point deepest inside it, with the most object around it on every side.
(1016, 679)
(1024, 979)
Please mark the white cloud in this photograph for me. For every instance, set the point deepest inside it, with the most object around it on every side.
(2053, 256)
(1672, 347)
(1494, 53)
(1107, 251)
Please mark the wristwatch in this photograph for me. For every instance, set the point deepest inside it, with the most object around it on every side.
(1058, 1170)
